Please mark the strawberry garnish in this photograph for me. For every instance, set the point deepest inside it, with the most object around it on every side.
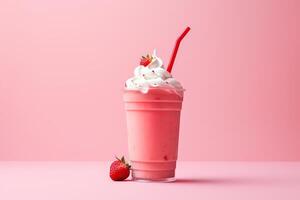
(119, 169)
(146, 60)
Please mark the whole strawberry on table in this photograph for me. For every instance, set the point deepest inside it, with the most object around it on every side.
(119, 169)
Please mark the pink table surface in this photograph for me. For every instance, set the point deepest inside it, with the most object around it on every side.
(195, 180)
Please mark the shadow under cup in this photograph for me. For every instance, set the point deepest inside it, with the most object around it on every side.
(153, 120)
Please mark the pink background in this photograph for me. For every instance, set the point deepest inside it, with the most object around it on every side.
(63, 65)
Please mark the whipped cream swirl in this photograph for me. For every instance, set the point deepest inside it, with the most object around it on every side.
(154, 75)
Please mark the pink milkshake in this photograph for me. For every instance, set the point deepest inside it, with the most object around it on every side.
(153, 100)
(153, 131)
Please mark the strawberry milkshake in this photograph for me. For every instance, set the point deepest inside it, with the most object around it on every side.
(153, 100)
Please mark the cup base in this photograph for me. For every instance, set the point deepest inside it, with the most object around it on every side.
(160, 180)
(153, 175)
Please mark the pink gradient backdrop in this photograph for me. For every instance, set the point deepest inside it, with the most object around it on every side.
(63, 65)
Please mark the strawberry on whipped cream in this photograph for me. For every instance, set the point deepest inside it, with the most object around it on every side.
(152, 74)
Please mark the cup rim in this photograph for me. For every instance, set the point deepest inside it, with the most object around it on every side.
(157, 88)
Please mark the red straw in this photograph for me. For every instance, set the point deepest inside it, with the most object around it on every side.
(171, 63)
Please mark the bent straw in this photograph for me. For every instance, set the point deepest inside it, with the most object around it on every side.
(171, 63)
